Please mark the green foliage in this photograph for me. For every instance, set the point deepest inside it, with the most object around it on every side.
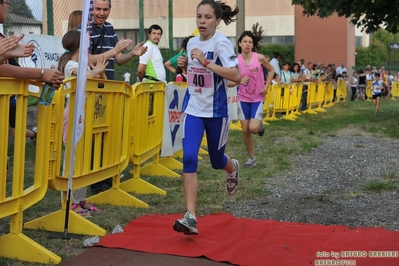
(19, 7)
(368, 15)
(287, 52)
(378, 51)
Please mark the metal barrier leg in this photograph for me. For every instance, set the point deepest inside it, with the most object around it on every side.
(171, 163)
(290, 117)
(204, 142)
(55, 222)
(320, 108)
(155, 168)
(179, 154)
(271, 116)
(17, 245)
(310, 111)
(202, 151)
(118, 197)
(235, 125)
(139, 186)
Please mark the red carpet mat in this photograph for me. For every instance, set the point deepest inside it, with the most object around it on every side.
(241, 241)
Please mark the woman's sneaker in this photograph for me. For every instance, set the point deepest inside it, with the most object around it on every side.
(33, 139)
(232, 180)
(186, 225)
(251, 162)
(261, 131)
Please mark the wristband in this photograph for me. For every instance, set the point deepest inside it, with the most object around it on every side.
(206, 62)
(41, 74)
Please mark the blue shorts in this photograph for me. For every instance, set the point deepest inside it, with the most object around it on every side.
(216, 130)
(247, 111)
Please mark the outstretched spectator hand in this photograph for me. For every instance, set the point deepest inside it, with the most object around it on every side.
(7, 43)
(122, 45)
(21, 50)
(53, 76)
(10, 47)
(98, 70)
(139, 49)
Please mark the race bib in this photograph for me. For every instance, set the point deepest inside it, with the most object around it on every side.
(377, 88)
(200, 81)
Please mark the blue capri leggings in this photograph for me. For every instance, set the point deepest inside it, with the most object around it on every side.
(216, 130)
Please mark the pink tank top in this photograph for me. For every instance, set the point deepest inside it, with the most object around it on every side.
(253, 70)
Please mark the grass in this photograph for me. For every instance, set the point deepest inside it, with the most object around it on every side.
(379, 186)
(282, 140)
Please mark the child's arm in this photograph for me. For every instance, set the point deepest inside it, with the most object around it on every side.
(99, 69)
(52, 76)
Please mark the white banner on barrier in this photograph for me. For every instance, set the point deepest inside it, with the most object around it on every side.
(232, 103)
(48, 49)
(173, 120)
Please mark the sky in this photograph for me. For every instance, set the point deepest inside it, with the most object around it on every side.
(36, 8)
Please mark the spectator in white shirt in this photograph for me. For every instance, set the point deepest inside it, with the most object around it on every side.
(341, 69)
(275, 64)
(127, 77)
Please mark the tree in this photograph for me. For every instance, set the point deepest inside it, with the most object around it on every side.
(287, 52)
(378, 51)
(19, 7)
(368, 15)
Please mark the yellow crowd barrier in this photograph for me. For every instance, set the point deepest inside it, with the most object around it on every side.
(101, 153)
(315, 98)
(395, 90)
(369, 90)
(147, 119)
(17, 191)
(283, 99)
(277, 101)
(294, 102)
(286, 99)
(269, 112)
(342, 91)
(328, 94)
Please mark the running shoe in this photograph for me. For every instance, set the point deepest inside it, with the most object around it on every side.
(232, 181)
(186, 225)
(33, 139)
(251, 162)
(261, 131)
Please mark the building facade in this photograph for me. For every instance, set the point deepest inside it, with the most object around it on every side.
(283, 23)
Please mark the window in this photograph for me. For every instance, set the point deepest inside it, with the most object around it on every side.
(132, 34)
(177, 43)
(359, 41)
(283, 40)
